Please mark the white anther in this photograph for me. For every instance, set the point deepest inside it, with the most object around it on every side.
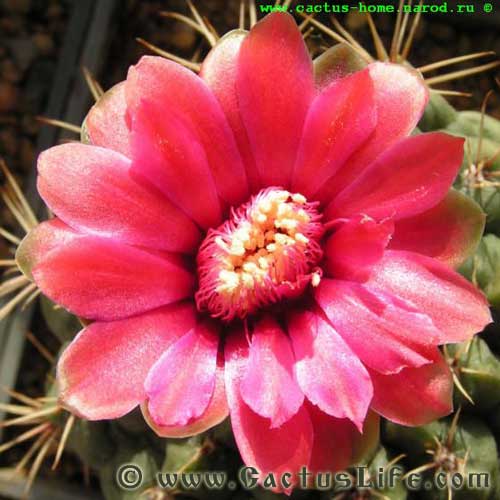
(301, 238)
(315, 279)
(298, 198)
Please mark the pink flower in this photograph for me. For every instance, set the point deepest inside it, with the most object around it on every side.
(246, 243)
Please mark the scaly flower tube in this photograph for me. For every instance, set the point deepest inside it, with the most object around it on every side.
(247, 243)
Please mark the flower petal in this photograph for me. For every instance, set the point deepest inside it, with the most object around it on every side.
(330, 374)
(181, 383)
(168, 154)
(366, 444)
(339, 121)
(386, 333)
(400, 97)
(102, 372)
(106, 123)
(93, 190)
(415, 396)
(277, 450)
(178, 92)
(269, 386)
(41, 240)
(216, 411)
(336, 62)
(457, 308)
(332, 445)
(411, 177)
(337, 442)
(352, 250)
(448, 232)
(219, 70)
(100, 279)
(275, 88)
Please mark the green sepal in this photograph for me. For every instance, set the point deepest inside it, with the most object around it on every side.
(199, 454)
(84, 132)
(91, 442)
(128, 455)
(365, 447)
(472, 219)
(179, 452)
(412, 440)
(60, 322)
(133, 423)
(130, 449)
(336, 62)
(24, 255)
(438, 114)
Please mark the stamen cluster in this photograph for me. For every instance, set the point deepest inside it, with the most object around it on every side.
(266, 251)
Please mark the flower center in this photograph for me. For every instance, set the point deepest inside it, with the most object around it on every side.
(266, 251)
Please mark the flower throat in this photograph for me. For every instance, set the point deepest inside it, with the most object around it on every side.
(266, 251)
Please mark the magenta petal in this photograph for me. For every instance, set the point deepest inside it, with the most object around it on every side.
(41, 240)
(411, 177)
(330, 374)
(170, 156)
(181, 383)
(333, 442)
(178, 92)
(219, 70)
(338, 443)
(275, 88)
(93, 190)
(282, 449)
(457, 308)
(384, 331)
(400, 98)
(215, 412)
(106, 123)
(355, 247)
(415, 396)
(448, 232)
(269, 386)
(102, 372)
(100, 279)
(339, 120)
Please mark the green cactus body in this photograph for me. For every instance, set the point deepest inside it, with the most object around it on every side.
(483, 268)
(479, 372)
(469, 449)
